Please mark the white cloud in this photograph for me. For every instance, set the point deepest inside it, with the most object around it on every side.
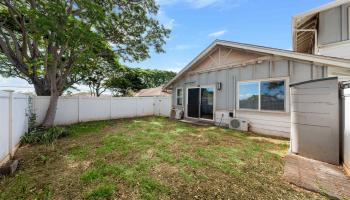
(170, 24)
(164, 19)
(183, 47)
(197, 4)
(178, 66)
(166, 2)
(202, 3)
(217, 33)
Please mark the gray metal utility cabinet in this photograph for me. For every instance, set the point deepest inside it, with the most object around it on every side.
(315, 119)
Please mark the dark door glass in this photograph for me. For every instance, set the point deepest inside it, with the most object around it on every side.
(193, 103)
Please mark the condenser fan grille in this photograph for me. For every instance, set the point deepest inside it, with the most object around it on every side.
(235, 123)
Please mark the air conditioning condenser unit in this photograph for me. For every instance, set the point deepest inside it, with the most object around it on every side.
(238, 124)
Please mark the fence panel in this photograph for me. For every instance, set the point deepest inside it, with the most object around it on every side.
(13, 122)
(94, 108)
(67, 110)
(4, 125)
(162, 106)
(145, 106)
(123, 107)
(40, 105)
(66, 113)
(19, 117)
(82, 109)
(70, 110)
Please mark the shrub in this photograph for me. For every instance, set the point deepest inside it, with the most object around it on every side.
(41, 135)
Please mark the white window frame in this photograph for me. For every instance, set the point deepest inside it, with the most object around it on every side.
(182, 96)
(214, 101)
(286, 95)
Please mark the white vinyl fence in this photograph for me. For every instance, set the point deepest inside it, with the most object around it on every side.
(70, 110)
(13, 122)
(82, 109)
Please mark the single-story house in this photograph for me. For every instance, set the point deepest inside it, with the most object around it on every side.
(152, 92)
(234, 80)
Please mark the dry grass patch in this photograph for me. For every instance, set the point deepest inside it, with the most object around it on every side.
(152, 158)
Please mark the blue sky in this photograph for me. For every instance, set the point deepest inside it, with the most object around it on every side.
(197, 23)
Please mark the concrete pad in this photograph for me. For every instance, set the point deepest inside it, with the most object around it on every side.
(317, 176)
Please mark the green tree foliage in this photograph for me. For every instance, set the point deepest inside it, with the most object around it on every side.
(49, 42)
(130, 80)
(97, 73)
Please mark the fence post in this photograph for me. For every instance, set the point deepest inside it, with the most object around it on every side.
(154, 105)
(10, 122)
(137, 106)
(78, 108)
(110, 107)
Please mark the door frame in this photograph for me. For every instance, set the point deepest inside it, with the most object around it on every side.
(214, 101)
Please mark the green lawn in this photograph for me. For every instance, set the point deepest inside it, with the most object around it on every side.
(152, 158)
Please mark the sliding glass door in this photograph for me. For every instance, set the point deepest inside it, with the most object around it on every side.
(200, 103)
(193, 102)
(207, 103)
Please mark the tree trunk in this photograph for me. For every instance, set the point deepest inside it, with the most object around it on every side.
(98, 94)
(42, 89)
(55, 93)
(42, 86)
(51, 111)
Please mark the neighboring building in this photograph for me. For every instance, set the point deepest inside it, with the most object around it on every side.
(151, 92)
(247, 81)
(324, 30)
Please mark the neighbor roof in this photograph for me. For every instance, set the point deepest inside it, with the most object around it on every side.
(330, 61)
(150, 92)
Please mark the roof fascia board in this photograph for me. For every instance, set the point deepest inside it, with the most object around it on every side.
(290, 54)
(233, 65)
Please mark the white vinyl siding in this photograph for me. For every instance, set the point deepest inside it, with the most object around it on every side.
(348, 23)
